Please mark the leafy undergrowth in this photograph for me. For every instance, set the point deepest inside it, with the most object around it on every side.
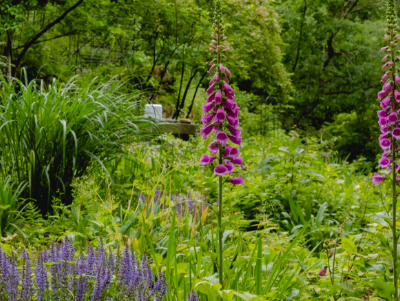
(305, 227)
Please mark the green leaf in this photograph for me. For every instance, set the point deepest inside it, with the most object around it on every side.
(248, 297)
(320, 215)
(348, 245)
(374, 267)
(385, 289)
(347, 286)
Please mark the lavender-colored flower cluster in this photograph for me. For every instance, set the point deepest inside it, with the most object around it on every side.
(181, 201)
(221, 110)
(60, 273)
(193, 296)
(389, 99)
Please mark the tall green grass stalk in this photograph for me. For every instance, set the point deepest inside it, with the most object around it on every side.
(50, 134)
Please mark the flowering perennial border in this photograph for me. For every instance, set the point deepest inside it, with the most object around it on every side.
(60, 274)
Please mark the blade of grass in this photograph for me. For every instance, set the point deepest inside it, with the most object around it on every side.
(276, 268)
(171, 249)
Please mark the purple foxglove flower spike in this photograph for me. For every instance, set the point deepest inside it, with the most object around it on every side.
(206, 131)
(228, 89)
(322, 272)
(235, 132)
(381, 94)
(233, 121)
(213, 147)
(237, 161)
(220, 116)
(392, 119)
(385, 144)
(396, 133)
(221, 138)
(207, 107)
(383, 122)
(236, 140)
(229, 95)
(385, 103)
(387, 86)
(210, 98)
(233, 153)
(397, 95)
(205, 160)
(237, 181)
(207, 119)
(218, 98)
(220, 170)
(382, 113)
(225, 128)
(383, 136)
(230, 104)
(229, 166)
(231, 114)
(386, 154)
(384, 130)
(384, 162)
(397, 167)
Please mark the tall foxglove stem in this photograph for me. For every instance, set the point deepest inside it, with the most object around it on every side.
(388, 122)
(221, 118)
(394, 193)
(220, 233)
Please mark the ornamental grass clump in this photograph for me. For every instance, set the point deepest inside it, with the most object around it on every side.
(59, 274)
(389, 99)
(221, 120)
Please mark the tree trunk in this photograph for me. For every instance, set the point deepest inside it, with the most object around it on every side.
(9, 55)
(182, 105)
(195, 92)
(177, 110)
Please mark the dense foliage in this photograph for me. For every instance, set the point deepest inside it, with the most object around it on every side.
(81, 170)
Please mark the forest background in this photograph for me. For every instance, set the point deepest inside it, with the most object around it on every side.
(308, 66)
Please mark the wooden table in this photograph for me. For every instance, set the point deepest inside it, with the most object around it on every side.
(178, 129)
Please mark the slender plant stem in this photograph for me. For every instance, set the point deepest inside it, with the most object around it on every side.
(220, 232)
(394, 201)
(394, 192)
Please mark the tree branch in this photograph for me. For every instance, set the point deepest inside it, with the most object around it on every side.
(43, 31)
(339, 92)
(187, 89)
(195, 92)
(46, 40)
(300, 36)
